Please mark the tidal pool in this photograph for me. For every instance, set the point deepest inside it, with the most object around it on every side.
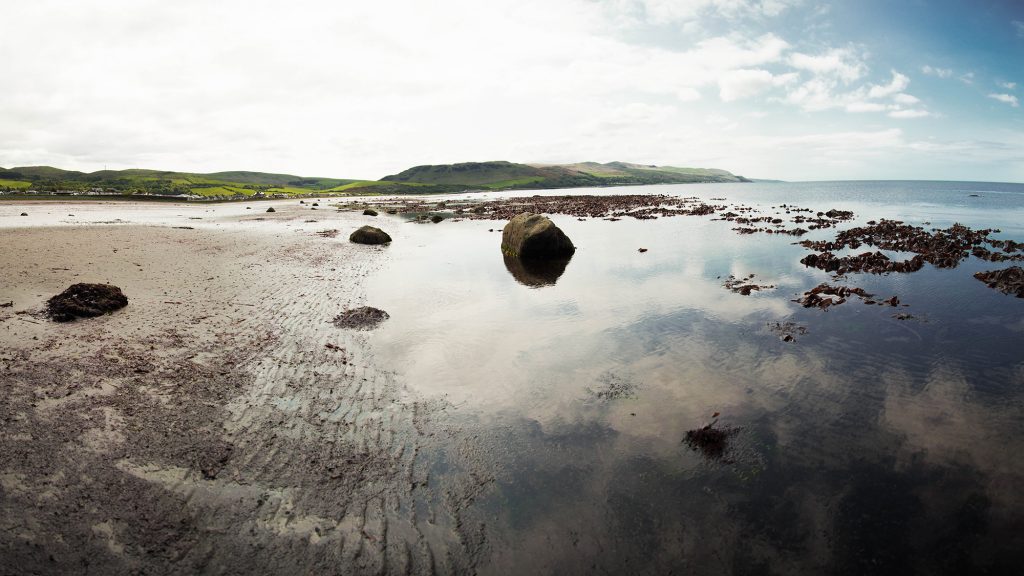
(870, 443)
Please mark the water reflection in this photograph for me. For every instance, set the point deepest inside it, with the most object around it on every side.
(870, 445)
(536, 272)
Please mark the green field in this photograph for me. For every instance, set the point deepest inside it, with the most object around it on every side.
(17, 184)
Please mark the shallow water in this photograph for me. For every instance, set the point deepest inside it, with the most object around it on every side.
(868, 445)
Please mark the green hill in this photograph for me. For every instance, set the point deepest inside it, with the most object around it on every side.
(45, 179)
(508, 175)
(443, 178)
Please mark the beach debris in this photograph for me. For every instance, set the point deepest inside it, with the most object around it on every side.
(369, 235)
(369, 212)
(534, 236)
(743, 286)
(328, 233)
(1008, 281)
(362, 318)
(85, 301)
(711, 441)
(641, 250)
(271, 209)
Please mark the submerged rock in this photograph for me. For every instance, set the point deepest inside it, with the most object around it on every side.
(362, 318)
(369, 235)
(1007, 281)
(85, 301)
(710, 441)
(535, 236)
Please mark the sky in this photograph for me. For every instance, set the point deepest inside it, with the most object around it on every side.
(782, 89)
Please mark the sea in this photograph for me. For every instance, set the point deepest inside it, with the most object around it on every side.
(873, 440)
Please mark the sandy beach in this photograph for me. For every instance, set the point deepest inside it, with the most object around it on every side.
(219, 423)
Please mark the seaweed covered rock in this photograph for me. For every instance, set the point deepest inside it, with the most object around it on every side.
(85, 301)
(534, 236)
(1008, 281)
(362, 318)
(369, 235)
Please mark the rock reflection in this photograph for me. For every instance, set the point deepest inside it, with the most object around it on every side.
(536, 272)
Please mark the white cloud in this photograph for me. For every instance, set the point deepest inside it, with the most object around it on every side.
(1006, 99)
(745, 83)
(1007, 85)
(674, 11)
(866, 107)
(967, 78)
(898, 84)
(911, 113)
(940, 72)
(1019, 27)
(905, 99)
(841, 63)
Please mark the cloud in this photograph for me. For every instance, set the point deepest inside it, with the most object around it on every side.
(678, 11)
(1007, 85)
(745, 83)
(909, 114)
(899, 83)
(841, 63)
(967, 78)
(866, 107)
(1006, 99)
(907, 99)
(940, 72)
(1019, 27)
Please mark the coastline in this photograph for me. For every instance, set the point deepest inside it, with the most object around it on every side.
(208, 426)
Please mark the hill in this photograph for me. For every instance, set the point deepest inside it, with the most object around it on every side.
(508, 175)
(46, 179)
(444, 178)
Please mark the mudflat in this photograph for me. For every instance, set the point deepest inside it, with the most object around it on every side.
(220, 423)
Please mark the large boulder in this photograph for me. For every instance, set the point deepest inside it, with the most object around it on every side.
(85, 301)
(534, 236)
(369, 235)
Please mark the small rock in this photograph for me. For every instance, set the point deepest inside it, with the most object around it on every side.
(271, 209)
(369, 212)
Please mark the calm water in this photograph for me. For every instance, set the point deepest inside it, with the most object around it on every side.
(869, 445)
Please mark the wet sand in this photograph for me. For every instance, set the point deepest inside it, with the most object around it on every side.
(219, 423)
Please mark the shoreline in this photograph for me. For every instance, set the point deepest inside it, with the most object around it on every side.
(218, 422)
